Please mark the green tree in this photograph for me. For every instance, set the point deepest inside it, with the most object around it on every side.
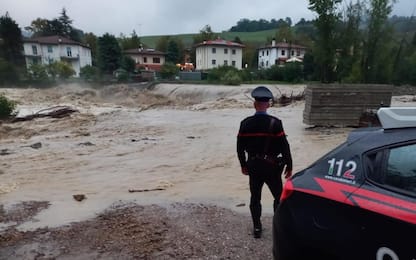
(350, 40)
(65, 70)
(128, 43)
(7, 107)
(172, 52)
(378, 37)
(237, 40)
(10, 40)
(109, 53)
(128, 64)
(8, 72)
(66, 24)
(89, 73)
(173, 47)
(231, 77)
(162, 43)
(284, 34)
(205, 34)
(58, 26)
(326, 47)
(59, 69)
(168, 70)
(38, 73)
(91, 41)
(250, 56)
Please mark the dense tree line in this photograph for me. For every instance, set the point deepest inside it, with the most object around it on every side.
(358, 43)
(246, 25)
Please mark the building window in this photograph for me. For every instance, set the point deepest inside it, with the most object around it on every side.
(225, 51)
(214, 50)
(283, 52)
(262, 64)
(214, 62)
(298, 53)
(68, 51)
(267, 63)
(233, 63)
(156, 60)
(34, 50)
(262, 53)
(293, 53)
(233, 51)
(267, 53)
(50, 49)
(226, 63)
(144, 59)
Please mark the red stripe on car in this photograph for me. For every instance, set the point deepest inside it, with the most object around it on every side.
(370, 200)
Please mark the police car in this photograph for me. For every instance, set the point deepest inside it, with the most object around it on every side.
(356, 202)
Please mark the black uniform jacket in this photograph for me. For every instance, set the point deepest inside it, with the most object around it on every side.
(255, 131)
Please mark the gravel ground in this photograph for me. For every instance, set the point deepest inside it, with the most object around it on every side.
(178, 231)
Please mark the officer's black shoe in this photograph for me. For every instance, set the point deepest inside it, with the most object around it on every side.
(257, 233)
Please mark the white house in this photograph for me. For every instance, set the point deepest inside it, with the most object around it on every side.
(149, 59)
(214, 53)
(279, 53)
(48, 49)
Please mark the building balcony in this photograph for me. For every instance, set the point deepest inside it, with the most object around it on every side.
(73, 57)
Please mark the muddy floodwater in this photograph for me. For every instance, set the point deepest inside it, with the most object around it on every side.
(125, 145)
(177, 139)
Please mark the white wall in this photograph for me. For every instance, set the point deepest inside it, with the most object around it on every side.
(80, 56)
(205, 56)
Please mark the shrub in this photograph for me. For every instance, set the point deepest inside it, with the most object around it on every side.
(65, 70)
(37, 73)
(89, 73)
(7, 107)
(8, 72)
(275, 72)
(292, 72)
(246, 75)
(217, 74)
(231, 78)
(168, 70)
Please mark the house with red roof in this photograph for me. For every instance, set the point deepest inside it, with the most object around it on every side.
(214, 53)
(148, 59)
(48, 49)
(279, 54)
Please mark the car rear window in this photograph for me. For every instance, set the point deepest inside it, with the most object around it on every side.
(401, 168)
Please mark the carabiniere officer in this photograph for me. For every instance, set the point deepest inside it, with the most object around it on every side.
(263, 152)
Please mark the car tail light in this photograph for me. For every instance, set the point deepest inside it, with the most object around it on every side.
(287, 190)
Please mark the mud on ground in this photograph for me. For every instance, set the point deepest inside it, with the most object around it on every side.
(130, 231)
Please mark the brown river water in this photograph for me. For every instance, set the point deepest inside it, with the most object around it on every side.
(177, 139)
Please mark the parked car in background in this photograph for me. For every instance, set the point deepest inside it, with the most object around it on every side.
(356, 202)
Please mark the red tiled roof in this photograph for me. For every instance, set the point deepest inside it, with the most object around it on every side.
(144, 51)
(55, 40)
(220, 42)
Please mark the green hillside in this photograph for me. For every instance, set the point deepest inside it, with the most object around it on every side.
(254, 38)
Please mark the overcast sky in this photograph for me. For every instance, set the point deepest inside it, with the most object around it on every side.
(164, 17)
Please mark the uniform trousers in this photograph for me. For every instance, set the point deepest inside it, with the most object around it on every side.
(258, 176)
